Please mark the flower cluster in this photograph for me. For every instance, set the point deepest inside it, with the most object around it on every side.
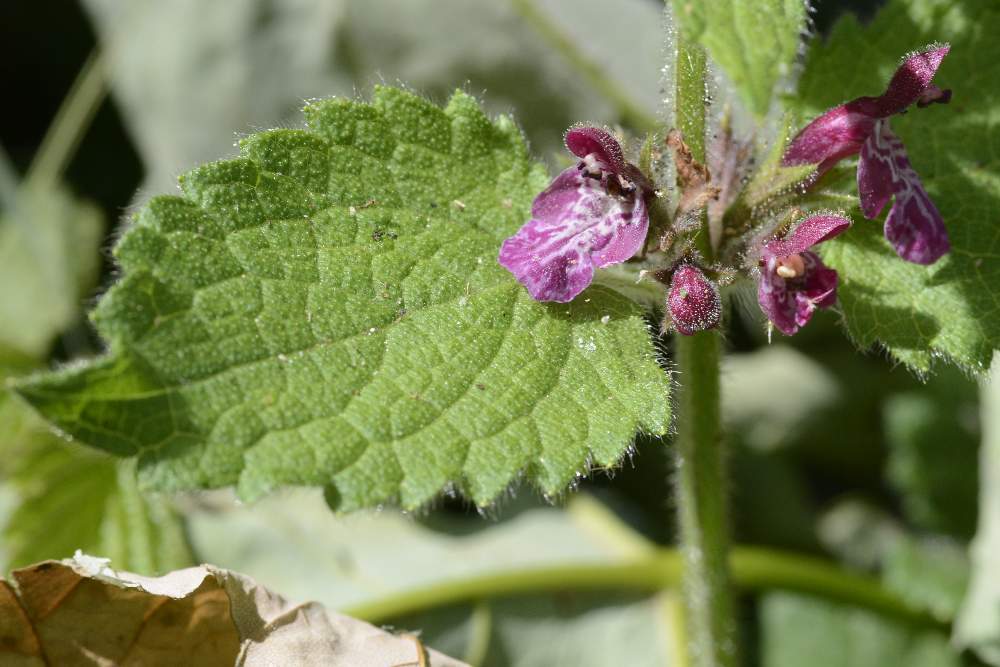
(597, 213)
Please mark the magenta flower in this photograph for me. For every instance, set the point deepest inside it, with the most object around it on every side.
(793, 279)
(693, 301)
(914, 226)
(592, 215)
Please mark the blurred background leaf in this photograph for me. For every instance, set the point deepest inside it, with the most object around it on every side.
(363, 557)
(49, 264)
(801, 630)
(933, 439)
(584, 629)
(68, 498)
(59, 497)
(235, 66)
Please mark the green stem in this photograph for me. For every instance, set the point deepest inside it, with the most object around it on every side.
(628, 113)
(690, 104)
(701, 499)
(753, 569)
(701, 474)
(480, 632)
(70, 124)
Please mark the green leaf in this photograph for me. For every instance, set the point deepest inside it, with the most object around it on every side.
(858, 532)
(327, 309)
(66, 498)
(769, 421)
(70, 499)
(754, 42)
(933, 439)
(929, 573)
(802, 630)
(978, 625)
(582, 629)
(949, 309)
(49, 262)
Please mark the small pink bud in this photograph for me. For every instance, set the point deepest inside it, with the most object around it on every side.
(693, 301)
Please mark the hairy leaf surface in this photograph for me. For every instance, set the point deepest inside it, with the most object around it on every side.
(327, 309)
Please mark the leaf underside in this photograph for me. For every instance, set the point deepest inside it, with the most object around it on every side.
(950, 309)
(327, 309)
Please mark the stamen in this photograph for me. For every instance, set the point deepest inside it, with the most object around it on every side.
(785, 271)
(933, 95)
(790, 267)
(627, 186)
(592, 166)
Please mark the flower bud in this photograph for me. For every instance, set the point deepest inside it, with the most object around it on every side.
(693, 302)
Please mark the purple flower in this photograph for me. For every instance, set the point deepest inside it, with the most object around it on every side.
(793, 279)
(693, 301)
(914, 226)
(592, 215)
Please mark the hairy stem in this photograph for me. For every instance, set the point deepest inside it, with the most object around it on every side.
(690, 104)
(753, 569)
(701, 499)
(701, 475)
(629, 114)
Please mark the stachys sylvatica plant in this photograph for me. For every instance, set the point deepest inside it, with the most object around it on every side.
(397, 302)
(597, 213)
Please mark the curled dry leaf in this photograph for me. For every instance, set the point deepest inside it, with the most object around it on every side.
(81, 612)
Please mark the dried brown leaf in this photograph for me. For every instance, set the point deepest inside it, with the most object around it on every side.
(81, 612)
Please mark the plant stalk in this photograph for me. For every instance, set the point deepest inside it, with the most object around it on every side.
(701, 500)
(70, 124)
(701, 471)
(754, 569)
(8, 182)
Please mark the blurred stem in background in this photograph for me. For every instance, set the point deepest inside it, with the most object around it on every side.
(701, 476)
(70, 124)
(8, 181)
(629, 114)
(754, 569)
